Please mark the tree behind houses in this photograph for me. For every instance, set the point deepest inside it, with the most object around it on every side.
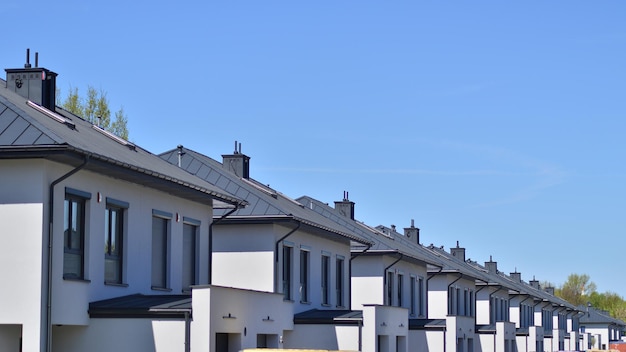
(95, 109)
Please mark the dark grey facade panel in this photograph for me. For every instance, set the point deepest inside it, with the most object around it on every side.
(6, 119)
(194, 166)
(203, 172)
(242, 193)
(213, 177)
(222, 182)
(232, 188)
(44, 140)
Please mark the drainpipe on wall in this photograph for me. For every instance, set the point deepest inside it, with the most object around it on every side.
(350, 277)
(385, 273)
(187, 333)
(448, 291)
(211, 241)
(495, 318)
(50, 251)
(276, 254)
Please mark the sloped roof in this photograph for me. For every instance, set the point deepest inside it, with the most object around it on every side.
(138, 306)
(30, 131)
(383, 243)
(265, 203)
(596, 316)
(328, 316)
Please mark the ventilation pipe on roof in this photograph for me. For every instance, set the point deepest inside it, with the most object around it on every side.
(180, 155)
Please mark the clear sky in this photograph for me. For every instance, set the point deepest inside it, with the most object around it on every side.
(498, 124)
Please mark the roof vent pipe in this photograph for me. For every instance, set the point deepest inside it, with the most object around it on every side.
(36, 59)
(180, 155)
(27, 64)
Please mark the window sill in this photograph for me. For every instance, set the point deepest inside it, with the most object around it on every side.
(287, 300)
(325, 305)
(117, 284)
(164, 289)
(340, 307)
(76, 279)
(305, 302)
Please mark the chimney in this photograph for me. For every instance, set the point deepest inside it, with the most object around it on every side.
(237, 163)
(517, 277)
(534, 283)
(36, 84)
(412, 233)
(491, 266)
(345, 207)
(549, 290)
(458, 252)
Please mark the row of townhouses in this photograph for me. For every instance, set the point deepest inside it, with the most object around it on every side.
(108, 247)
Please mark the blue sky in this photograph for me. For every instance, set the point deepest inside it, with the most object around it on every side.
(497, 124)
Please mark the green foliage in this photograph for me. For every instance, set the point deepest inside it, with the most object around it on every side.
(576, 289)
(580, 290)
(95, 109)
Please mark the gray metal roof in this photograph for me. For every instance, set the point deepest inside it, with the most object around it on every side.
(138, 305)
(29, 131)
(596, 316)
(384, 243)
(265, 204)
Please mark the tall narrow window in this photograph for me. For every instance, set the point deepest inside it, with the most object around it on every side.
(413, 297)
(339, 282)
(304, 276)
(190, 234)
(399, 293)
(422, 297)
(287, 272)
(389, 288)
(74, 234)
(113, 241)
(160, 232)
(325, 279)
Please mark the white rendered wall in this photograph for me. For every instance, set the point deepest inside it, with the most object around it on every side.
(323, 337)
(22, 251)
(243, 257)
(238, 312)
(105, 335)
(71, 297)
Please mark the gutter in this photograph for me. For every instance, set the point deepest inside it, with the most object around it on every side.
(50, 251)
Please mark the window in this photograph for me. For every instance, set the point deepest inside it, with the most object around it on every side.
(160, 234)
(304, 276)
(74, 234)
(287, 272)
(466, 302)
(339, 281)
(190, 238)
(325, 279)
(389, 288)
(399, 293)
(413, 297)
(421, 297)
(113, 240)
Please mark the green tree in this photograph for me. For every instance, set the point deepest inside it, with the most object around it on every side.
(576, 289)
(95, 109)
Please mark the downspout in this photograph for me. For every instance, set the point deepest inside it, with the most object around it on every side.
(350, 278)
(50, 241)
(211, 242)
(495, 318)
(276, 254)
(430, 276)
(187, 333)
(448, 291)
(385, 273)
